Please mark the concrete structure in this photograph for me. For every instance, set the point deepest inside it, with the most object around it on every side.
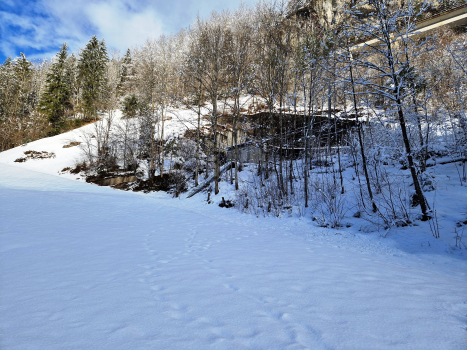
(455, 17)
(327, 14)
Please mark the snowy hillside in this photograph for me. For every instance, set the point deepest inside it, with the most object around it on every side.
(89, 267)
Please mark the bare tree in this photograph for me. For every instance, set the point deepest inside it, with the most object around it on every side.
(208, 51)
(239, 68)
(167, 60)
(389, 27)
(274, 53)
(147, 85)
(352, 82)
(311, 52)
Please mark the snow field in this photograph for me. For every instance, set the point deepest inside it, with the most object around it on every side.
(86, 267)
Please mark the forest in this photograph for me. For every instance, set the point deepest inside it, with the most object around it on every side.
(321, 114)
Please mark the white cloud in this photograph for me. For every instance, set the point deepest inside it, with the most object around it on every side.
(121, 28)
(122, 23)
(27, 33)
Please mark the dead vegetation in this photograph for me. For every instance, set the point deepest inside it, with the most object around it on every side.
(72, 144)
(35, 155)
(173, 183)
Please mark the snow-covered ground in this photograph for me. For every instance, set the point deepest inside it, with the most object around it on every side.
(88, 267)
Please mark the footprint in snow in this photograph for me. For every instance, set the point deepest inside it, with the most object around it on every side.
(229, 286)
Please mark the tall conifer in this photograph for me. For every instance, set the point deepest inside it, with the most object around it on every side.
(92, 75)
(126, 74)
(56, 100)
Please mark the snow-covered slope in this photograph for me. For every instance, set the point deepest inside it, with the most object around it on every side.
(88, 267)
(180, 121)
(64, 157)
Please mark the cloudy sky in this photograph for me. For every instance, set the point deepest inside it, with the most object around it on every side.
(38, 28)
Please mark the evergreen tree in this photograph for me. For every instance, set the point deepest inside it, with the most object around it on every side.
(8, 86)
(19, 91)
(126, 73)
(92, 75)
(56, 100)
(8, 91)
(25, 94)
(72, 75)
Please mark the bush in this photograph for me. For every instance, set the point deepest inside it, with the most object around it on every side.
(328, 202)
(130, 106)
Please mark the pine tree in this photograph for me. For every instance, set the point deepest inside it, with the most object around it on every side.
(56, 100)
(126, 73)
(8, 85)
(72, 75)
(19, 91)
(23, 71)
(8, 91)
(92, 75)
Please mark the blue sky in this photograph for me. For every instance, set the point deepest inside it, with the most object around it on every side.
(38, 28)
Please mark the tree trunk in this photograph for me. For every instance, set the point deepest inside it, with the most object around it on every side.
(197, 143)
(360, 138)
(235, 135)
(413, 172)
(216, 146)
(281, 159)
(161, 143)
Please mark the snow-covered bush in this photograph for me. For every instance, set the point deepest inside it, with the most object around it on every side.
(329, 203)
(392, 200)
(261, 196)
